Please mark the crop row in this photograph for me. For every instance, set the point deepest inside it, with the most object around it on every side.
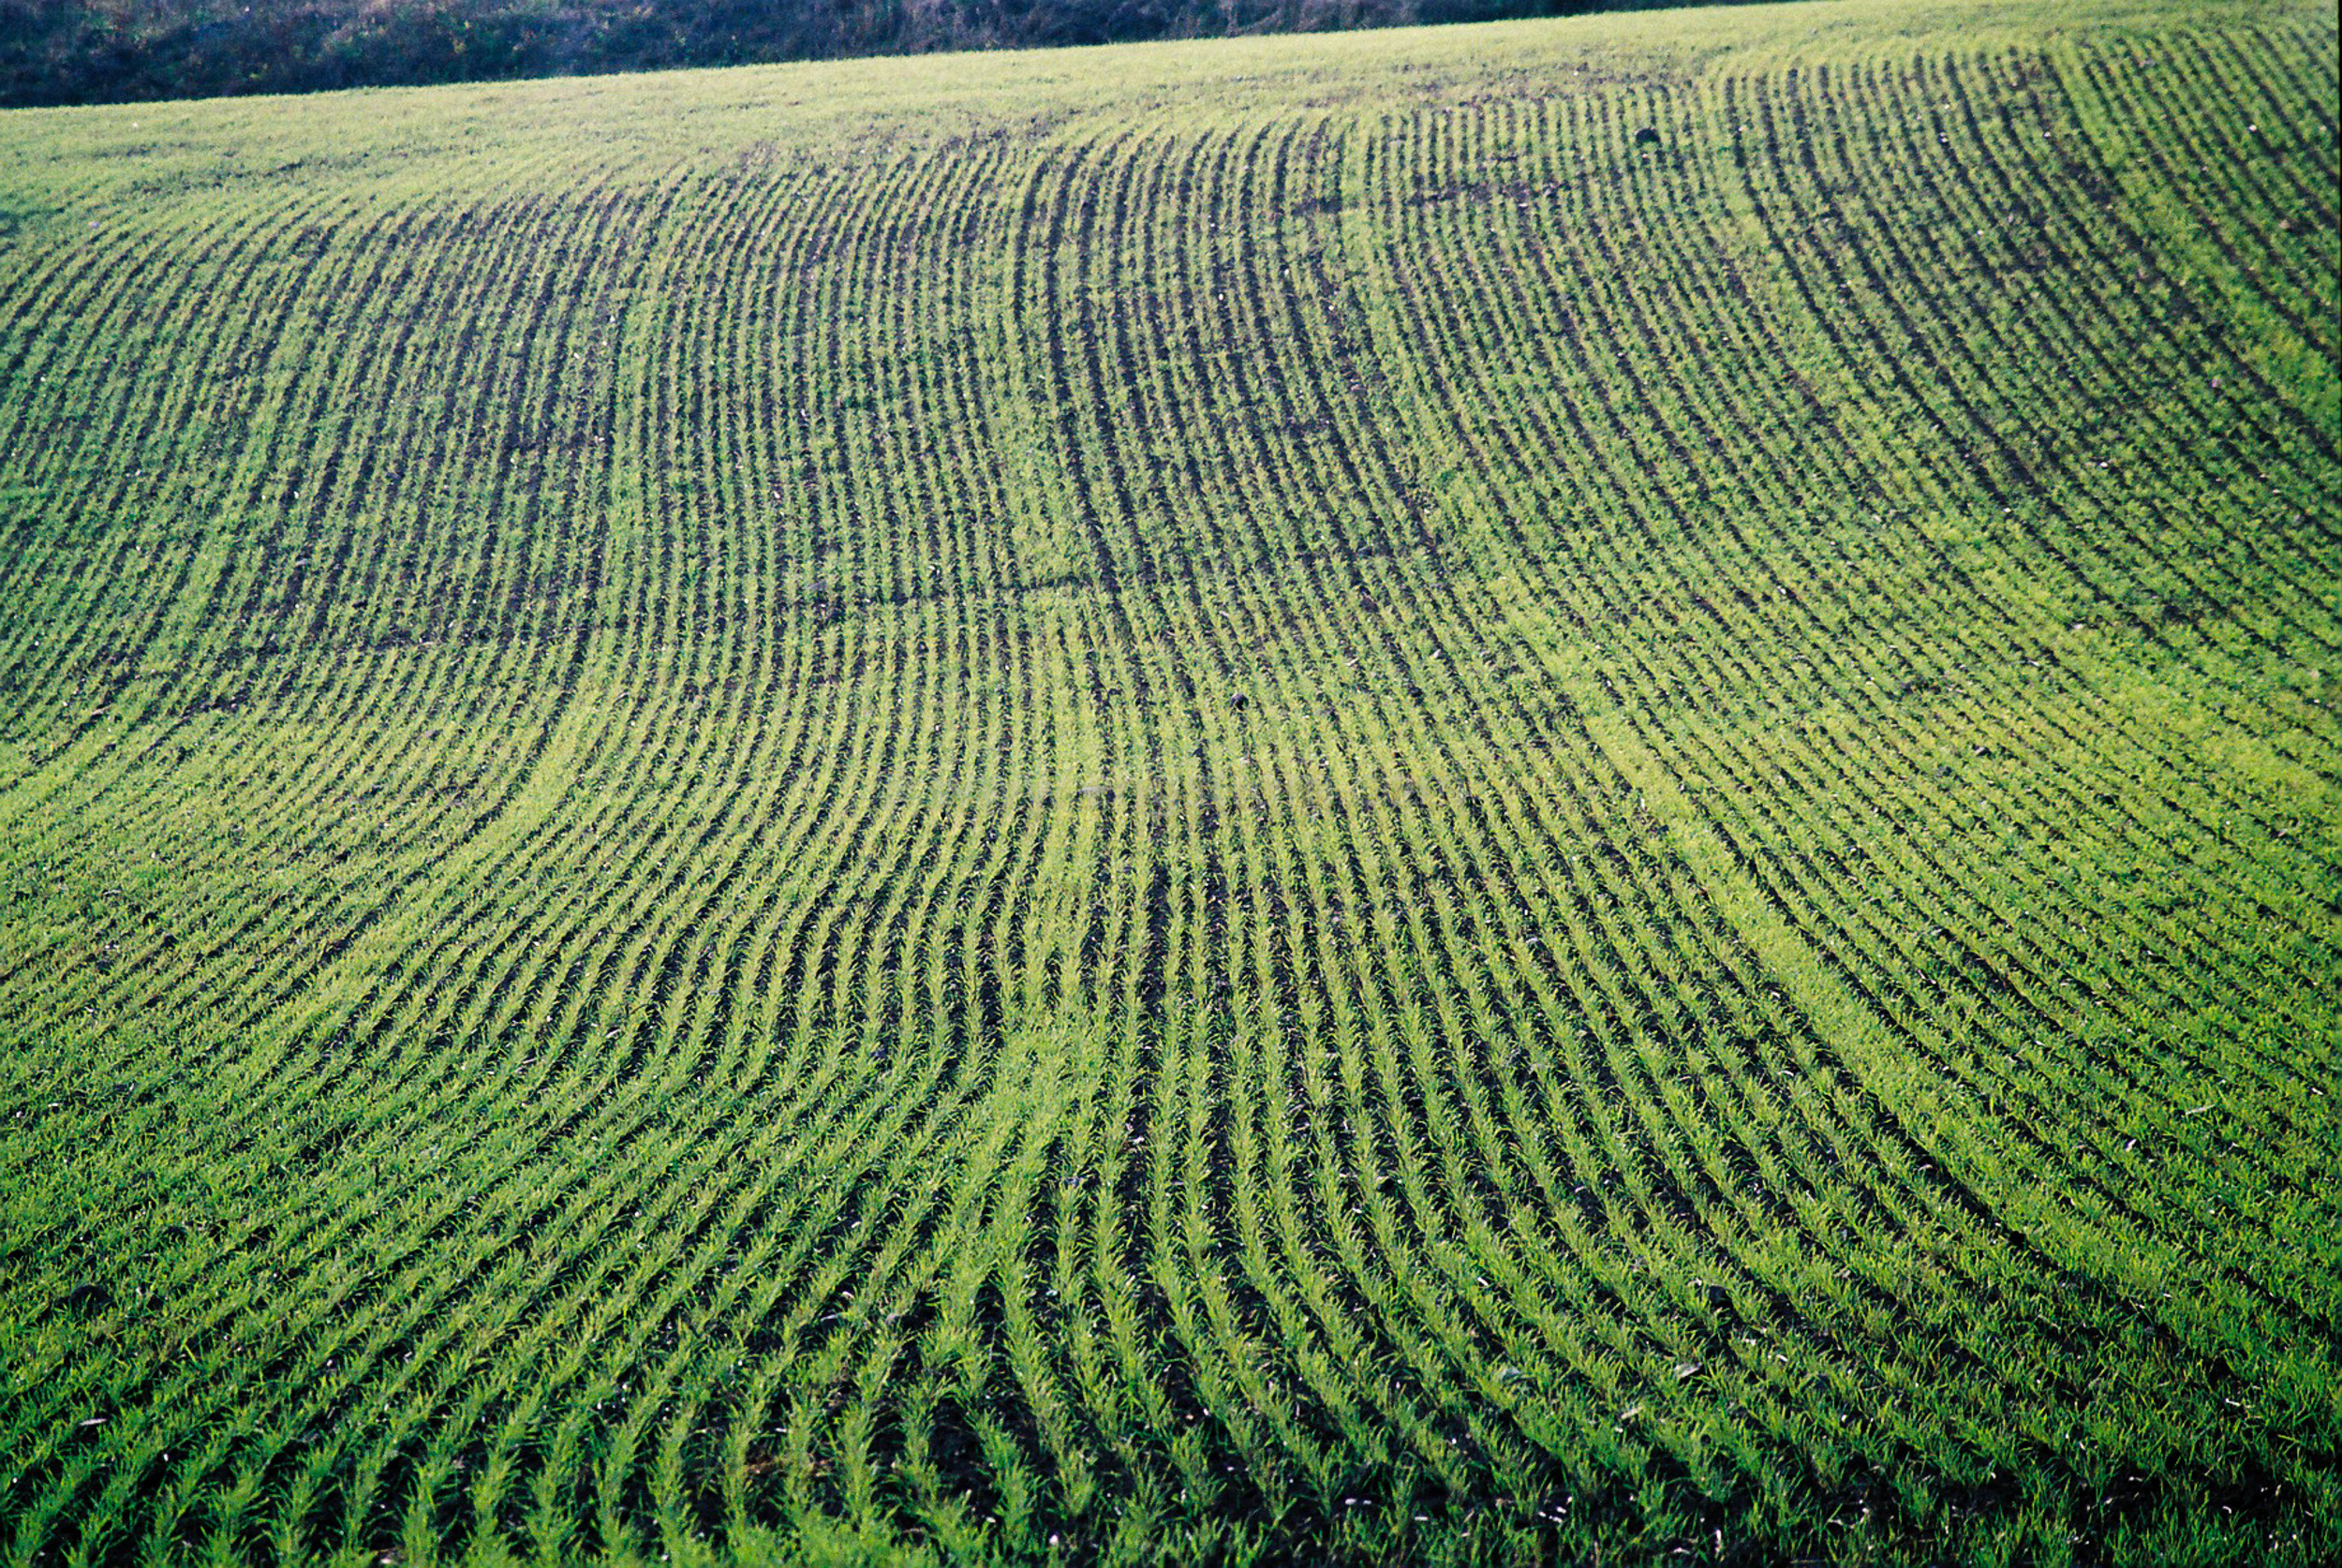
(1594, 816)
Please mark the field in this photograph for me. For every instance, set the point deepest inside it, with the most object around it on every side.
(1565, 793)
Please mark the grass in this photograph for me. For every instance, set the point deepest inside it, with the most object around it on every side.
(1261, 802)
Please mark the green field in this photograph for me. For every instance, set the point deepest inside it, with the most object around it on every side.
(1564, 793)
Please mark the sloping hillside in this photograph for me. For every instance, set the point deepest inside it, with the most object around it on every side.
(1505, 794)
